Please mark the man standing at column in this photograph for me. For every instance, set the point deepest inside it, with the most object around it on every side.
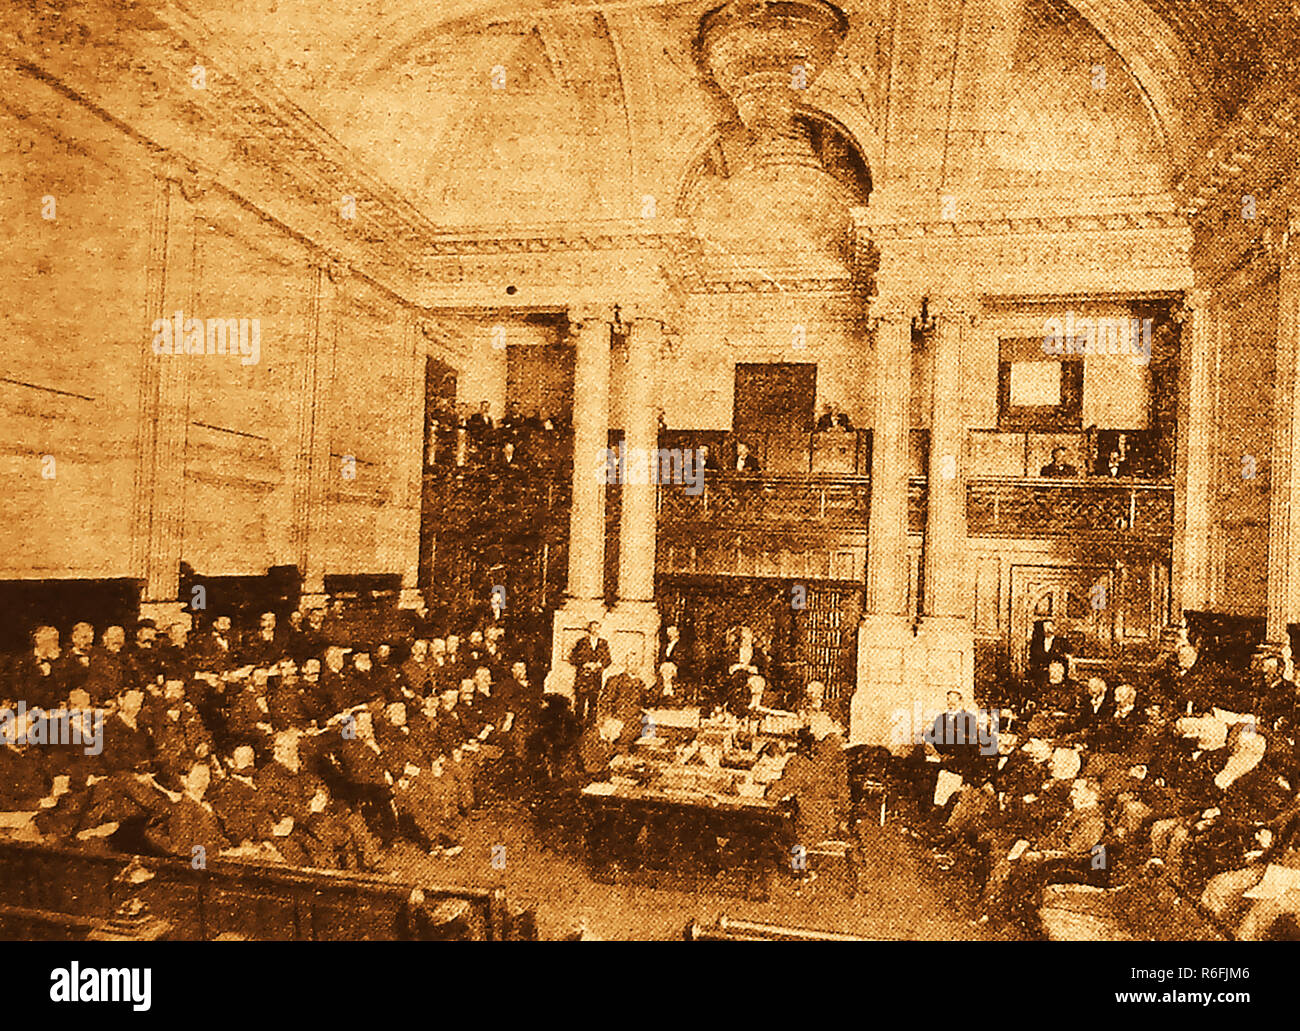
(589, 658)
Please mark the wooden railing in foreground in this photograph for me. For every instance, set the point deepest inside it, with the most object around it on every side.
(60, 891)
(724, 928)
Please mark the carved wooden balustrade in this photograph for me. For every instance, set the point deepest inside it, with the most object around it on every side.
(1090, 507)
(817, 502)
(1027, 507)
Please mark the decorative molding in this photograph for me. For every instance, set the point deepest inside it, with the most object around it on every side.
(1109, 222)
(548, 241)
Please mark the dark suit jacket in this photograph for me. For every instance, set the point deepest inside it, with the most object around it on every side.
(750, 465)
(620, 699)
(37, 683)
(583, 653)
(1059, 472)
(1040, 659)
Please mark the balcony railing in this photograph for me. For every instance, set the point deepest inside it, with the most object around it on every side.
(1037, 507)
(995, 506)
(840, 502)
(818, 502)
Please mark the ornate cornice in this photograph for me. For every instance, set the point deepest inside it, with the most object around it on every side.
(549, 241)
(1030, 226)
(846, 286)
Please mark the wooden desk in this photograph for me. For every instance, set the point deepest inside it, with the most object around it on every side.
(674, 838)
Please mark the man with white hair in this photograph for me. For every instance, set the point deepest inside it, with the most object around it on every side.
(1063, 853)
(36, 677)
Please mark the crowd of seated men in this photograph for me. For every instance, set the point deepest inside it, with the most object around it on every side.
(1190, 774)
(307, 745)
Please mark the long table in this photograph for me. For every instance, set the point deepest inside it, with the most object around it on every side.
(675, 835)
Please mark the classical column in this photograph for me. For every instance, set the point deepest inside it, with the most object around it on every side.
(887, 572)
(634, 620)
(885, 631)
(947, 592)
(1190, 588)
(943, 658)
(316, 470)
(163, 414)
(1284, 476)
(585, 598)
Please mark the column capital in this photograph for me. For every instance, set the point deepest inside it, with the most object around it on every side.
(585, 315)
(893, 307)
(1195, 300)
(192, 179)
(965, 309)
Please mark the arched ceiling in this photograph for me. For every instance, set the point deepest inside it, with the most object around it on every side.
(605, 103)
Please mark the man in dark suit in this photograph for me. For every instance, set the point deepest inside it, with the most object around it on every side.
(75, 662)
(1094, 708)
(1045, 648)
(745, 462)
(143, 661)
(1058, 468)
(480, 424)
(743, 661)
(191, 821)
(955, 736)
(266, 647)
(36, 677)
(589, 658)
(833, 420)
(215, 650)
(675, 652)
(106, 678)
(616, 721)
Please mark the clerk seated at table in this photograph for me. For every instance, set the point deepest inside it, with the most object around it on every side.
(817, 776)
(744, 659)
(757, 700)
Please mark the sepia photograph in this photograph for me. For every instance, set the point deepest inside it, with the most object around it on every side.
(563, 470)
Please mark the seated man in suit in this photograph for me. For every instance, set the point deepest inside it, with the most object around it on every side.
(1094, 708)
(1059, 468)
(745, 462)
(816, 776)
(744, 660)
(1062, 854)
